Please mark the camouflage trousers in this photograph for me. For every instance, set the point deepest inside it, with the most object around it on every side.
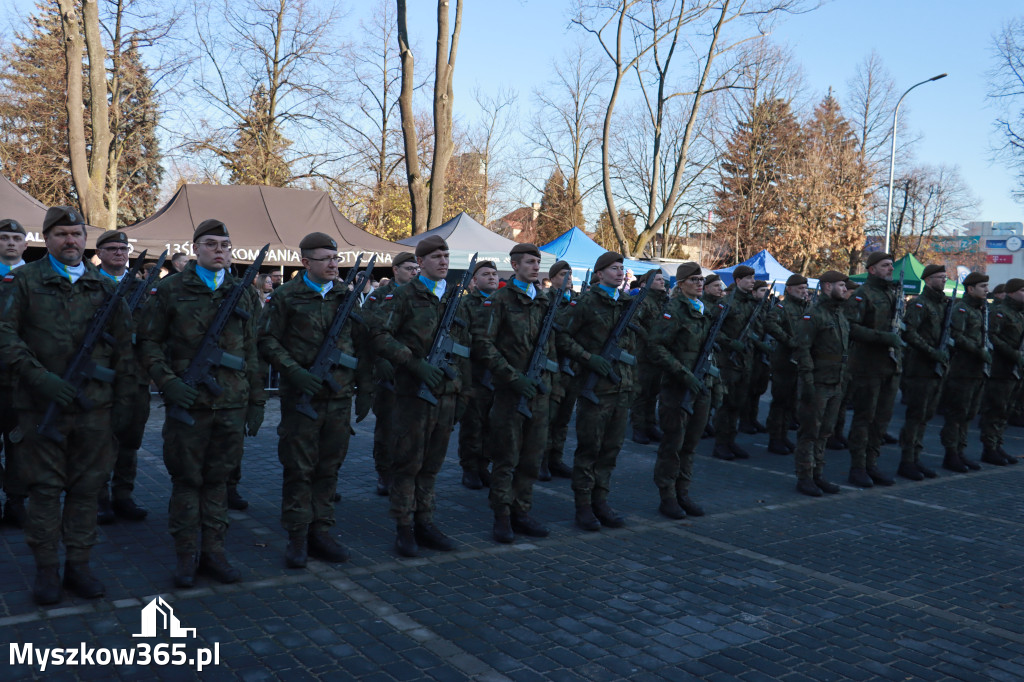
(129, 440)
(959, 407)
(560, 411)
(643, 414)
(760, 375)
(997, 400)
(874, 396)
(784, 401)
(600, 430)
(383, 434)
(673, 469)
(518, 445)
(844, 407)
(474, 429)
(420, 449)
(78, 467)
(737, 383)
(816, 410)
(200, 459)
(921, 395)
(311, 451)
(12, 480)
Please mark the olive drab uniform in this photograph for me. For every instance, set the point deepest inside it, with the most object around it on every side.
(735, 365)
(961, 405)
(781, 322)
(13, 482)
(1001, 389)
(474, 425)
(822, 337)
(643, 413)
(717, 386)
(875, 375)
(311, 450)
(565, 391)
(674, 344)
(42, 323)
(200, 457)
(377, 305)
(505, 333)
(405, 335)
(760, 373)
(922, 385)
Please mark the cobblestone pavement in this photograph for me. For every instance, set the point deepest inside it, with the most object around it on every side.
(917, 581)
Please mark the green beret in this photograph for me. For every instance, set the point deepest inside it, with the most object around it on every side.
(59, 216)
(851, 284)
(212, 227)
(318, 240)
(484, 264)
(975, 278)
(930, 270)
(115, 236)
(687, 270)
(525, 248)
(877, 256)
(1000, 289)
(832, 276)
(605, 259)
(12, 225)
(557, 268)
(742, 271)
(403, 257)
(430, 245)
(711, 279)
(796, 280)
(1013, 285)
(760, 283)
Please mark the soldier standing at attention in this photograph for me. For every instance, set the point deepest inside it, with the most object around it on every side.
(1006, 333)
(600, 428)
(781, 323)
(922, 385)
(837, 441)
(12, 247)
(999, 293)
(675, 343)
(760, 369)
(46, 313)
(505, 334)
(404, 339)
(966, 372)
(474, 425)
(292, 329)
(201, 456)
(822, 347)
(564, 388)
(643, 413)
(714, 291)
(876, 361)
(405, 270)
(112, 249)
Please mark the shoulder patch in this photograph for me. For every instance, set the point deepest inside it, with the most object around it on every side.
(962, 310)
(667, 316)
(807, 317)
(999, 314)
(487, 303)
(919, 305)
(858, 298)
(372, 297)
(389, 297)
(572, 303)
(9, 277)
(152, 291)
(779, 305)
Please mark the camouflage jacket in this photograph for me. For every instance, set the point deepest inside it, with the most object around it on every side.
(505, 332)
(967, 332)
(594, 316)
(561, 381)
(473, 305)
(677, 337)
(781, 322)
(380, 298)
(823, 342)
(171, 329)
(292, 329)
(43, 321)
(650, 312)
(406, 333)
(1006, 331)
(870, 311)
(924, 318)
(741, 305)
(7, 376)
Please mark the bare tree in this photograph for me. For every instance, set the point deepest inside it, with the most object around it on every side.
(928, 202)
(489, 139)
(1006, 89)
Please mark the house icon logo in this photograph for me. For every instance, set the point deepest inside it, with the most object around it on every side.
(158, 615)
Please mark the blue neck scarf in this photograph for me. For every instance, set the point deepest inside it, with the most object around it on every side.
(210, 278)
(527, 289)
(436, 288)
(611, 291)
(321, 289)
(72, 272)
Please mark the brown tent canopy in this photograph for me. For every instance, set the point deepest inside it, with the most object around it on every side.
(18, 204)
(257, 215)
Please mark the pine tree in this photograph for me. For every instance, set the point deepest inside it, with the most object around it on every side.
(258, 154)
(561, 207)
(139, 171)
(605, 235)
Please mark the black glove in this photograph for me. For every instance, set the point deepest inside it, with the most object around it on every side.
(693, 385)
(426, 372)
(524, 386)
(178, 393)
(384, 370)
(737, 345)
(364, 399)
(253, 419)
(54, 389)
(599, 365)
(305, 381)
(891, 339)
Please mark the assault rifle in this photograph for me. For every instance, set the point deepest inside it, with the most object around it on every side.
(611, 351)
(444, 346)
(748, 328)
(147, 284)
(82, 368)
(946, 339)
(898, 310)
(766, 337)
(585, 286)
(539, 361)
(209, 355)
(329, 356)
(705, 364)
(986, 368)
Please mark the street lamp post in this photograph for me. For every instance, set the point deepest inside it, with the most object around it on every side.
(892, 157)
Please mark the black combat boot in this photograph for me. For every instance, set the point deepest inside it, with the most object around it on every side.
(560, 469)
(485, 476)
(544, 474)
(969, 463)
(925, 471)
(128, 510)
(585, 518)
(1007, 457)
(296, 554)
(215, 565)
(236, 501)
(722, 451)
(748, 427)
(826, 486)
(807, 487)
(325, 547)
(524, 524)
(46, 589)
(738, 452)
(405, 542)
(383, 485)
(471, 480)
(859, 477)
(670, 507)
(909, 471)
(952, 462)
(185, 570)
(502, 531)
(606, 515)
(104, 511)
(990, 456)
(640, 436)
(686, 502)
(778, 447)
(789, 444)
(430, 536)
(835, 443)
(877, 477)
(79, 579)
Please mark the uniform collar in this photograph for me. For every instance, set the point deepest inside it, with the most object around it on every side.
(72, 273)
(694, 303)
(525, 287)
(974, 302)
(321, 289)
(609, 291)
(435, 288)
(212, 280)
(4, 268)
(115, 278)
(933, 295)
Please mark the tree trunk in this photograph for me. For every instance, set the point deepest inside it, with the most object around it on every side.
(444, 70)
(417, 190)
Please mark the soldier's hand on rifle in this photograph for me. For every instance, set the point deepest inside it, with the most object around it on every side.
(737, 345)
(693, 384)
(986, 356)
(599, 365)
(892, 339)
(940, 356)
(53, 388)
(524, 386)
(426, 372)
(253, 419)
(364, 399)
(384, 370)
(305, 381)
(177, 392)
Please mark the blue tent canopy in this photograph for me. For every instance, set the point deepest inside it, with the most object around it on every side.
(580, 251)
(765, 268)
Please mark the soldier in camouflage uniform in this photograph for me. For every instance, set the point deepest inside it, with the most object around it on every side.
(565, 388)
(643, 413)
(1007, 336)
(200, 457)
(967, 372)
(781, 323)
(760, 371)
(822, 347)
(505, 334)
(714, 292)
(405, 339)
(674, 344)
(474, 427)
(112, 250)
(405, 269)
(876, 362)
(837, 441)
(292, 329)
(12, 246)
(601, 427)
(922, 384)
(45, 316)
